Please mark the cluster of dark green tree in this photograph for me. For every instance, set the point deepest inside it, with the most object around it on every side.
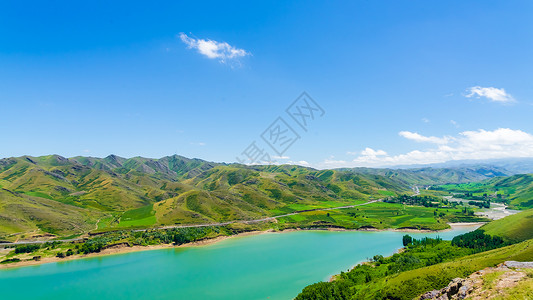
(426, 201)
(27, 248)
(478, 240)
(480, 204)
(471, 196)
(408, 241)
(177, 236)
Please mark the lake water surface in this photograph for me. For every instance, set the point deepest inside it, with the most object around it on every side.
(266, 266)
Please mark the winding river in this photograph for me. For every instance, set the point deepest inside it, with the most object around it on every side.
(265, 266)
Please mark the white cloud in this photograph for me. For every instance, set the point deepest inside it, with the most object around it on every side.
(425, 120)
(280, 157)
(198, 143)
(479, 144)
(222, 51)
(302, 163)
(372, 152)
(454, 123)
(420, 138)
(331, 163)
(491, 93)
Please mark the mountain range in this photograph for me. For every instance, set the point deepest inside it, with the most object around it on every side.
(67, 196)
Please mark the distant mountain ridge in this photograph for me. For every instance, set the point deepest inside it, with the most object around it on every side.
(512, 166)
(430, 175)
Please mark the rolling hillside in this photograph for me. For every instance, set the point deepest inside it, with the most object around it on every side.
(513, 228)
(67, 196)
(518, 188)
(53, 194)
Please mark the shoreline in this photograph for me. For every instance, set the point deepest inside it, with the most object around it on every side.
(125, 249)
(205, 242)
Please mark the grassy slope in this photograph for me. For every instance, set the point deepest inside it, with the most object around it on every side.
(23, 213)
(514, 228)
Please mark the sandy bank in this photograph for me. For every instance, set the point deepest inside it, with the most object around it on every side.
(125, 249)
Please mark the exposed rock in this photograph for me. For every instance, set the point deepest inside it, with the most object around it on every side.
(474, 286)
(430, 295)
(519, 264)
(453, 287)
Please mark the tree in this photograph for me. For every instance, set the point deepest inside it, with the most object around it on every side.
(407, 239)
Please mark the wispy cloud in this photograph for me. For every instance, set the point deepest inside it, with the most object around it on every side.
(424, 139)
(222, 51)
(478, 144)
(198, 143)
(280, 157)
(454, 123)
(491, 93)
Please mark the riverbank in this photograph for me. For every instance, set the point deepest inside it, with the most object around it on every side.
(122, 249)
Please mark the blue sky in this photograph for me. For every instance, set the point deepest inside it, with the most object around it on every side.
(400, 82)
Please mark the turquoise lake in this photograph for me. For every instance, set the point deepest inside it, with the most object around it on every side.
(266, 266)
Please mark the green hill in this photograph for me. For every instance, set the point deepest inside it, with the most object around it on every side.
(517, 190)
(514, 228)
(115, 192)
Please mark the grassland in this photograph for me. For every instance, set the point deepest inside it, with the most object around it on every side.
(514, 228)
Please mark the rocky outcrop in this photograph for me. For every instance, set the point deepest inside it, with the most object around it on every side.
(473, 287)
(458, 288)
